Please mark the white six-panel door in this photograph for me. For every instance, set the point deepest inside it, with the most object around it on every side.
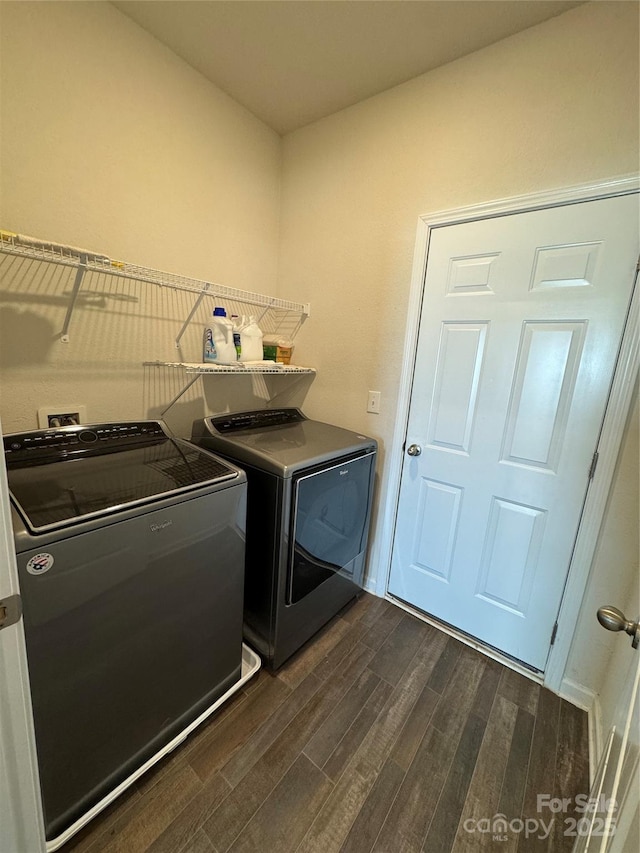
(521, 323)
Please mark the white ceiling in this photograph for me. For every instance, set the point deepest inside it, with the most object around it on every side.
(291, 62)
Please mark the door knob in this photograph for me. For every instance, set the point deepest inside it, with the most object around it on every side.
(614, 620)
(414, 450)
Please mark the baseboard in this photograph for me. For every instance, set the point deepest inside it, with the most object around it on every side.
(577, 694)
(589, 701)
(370, 585)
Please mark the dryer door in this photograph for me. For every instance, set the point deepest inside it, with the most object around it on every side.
(330, 524)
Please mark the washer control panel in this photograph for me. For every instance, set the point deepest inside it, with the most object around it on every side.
(50, 443)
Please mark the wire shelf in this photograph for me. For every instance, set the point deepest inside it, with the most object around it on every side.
(237, 369)
(280, 317)
(23, 246)
(194, 370)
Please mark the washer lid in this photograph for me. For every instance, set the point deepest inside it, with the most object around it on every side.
(282, 442)
(61, 477)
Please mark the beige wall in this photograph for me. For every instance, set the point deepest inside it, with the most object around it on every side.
(110, 142)
(553, 106)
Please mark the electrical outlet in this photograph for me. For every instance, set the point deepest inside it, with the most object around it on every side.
(373, 402)
(50, 417)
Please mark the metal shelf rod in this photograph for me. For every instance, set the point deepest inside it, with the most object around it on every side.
(191, 382)
(82, 268)
(185, 325)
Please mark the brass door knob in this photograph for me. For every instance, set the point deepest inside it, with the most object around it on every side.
(614, 620)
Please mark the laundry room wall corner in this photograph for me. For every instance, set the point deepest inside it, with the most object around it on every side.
(110, 142)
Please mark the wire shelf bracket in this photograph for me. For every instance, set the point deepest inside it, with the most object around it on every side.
(82, 268)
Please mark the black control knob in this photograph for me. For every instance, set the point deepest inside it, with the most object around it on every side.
(87, 436)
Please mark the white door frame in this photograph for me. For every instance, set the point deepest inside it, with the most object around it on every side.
(612, 430)
(21, 818)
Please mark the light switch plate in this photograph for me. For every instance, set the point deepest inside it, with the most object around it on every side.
(373, 402)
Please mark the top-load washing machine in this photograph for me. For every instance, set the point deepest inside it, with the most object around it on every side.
(309, 499)
(130, 551)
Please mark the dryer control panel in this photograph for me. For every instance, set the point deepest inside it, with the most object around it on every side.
(259, 419)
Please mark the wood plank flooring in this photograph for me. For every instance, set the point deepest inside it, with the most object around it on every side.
(382, 735)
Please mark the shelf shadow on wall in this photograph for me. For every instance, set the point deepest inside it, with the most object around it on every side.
(25, 338)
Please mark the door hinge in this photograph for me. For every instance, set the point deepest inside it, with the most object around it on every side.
(553, 634)
(10, 610)
(594, 464)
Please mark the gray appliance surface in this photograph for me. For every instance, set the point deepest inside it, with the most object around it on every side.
(277, 440)
(132, 611)
(309, 499)
(65, 476)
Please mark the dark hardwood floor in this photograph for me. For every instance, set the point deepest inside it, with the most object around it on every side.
(383, 734)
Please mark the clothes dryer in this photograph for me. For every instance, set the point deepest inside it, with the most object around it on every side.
(310, 488)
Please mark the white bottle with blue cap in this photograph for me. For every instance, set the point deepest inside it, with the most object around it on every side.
(218, 344)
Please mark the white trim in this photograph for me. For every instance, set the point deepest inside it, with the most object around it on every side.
(533, 201)
(612, 429)
(369, 585)
(579, 695)
(21, 818)
(596, 742)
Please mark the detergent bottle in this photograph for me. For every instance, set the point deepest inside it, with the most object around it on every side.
(237, 325)
(218, 346)
(250, 341)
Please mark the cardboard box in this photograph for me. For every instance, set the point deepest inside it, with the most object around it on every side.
(277, 353)
(283, 354)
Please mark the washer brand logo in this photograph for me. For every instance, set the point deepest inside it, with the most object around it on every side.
(161, 526)
(344, 471)
(40, 564)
